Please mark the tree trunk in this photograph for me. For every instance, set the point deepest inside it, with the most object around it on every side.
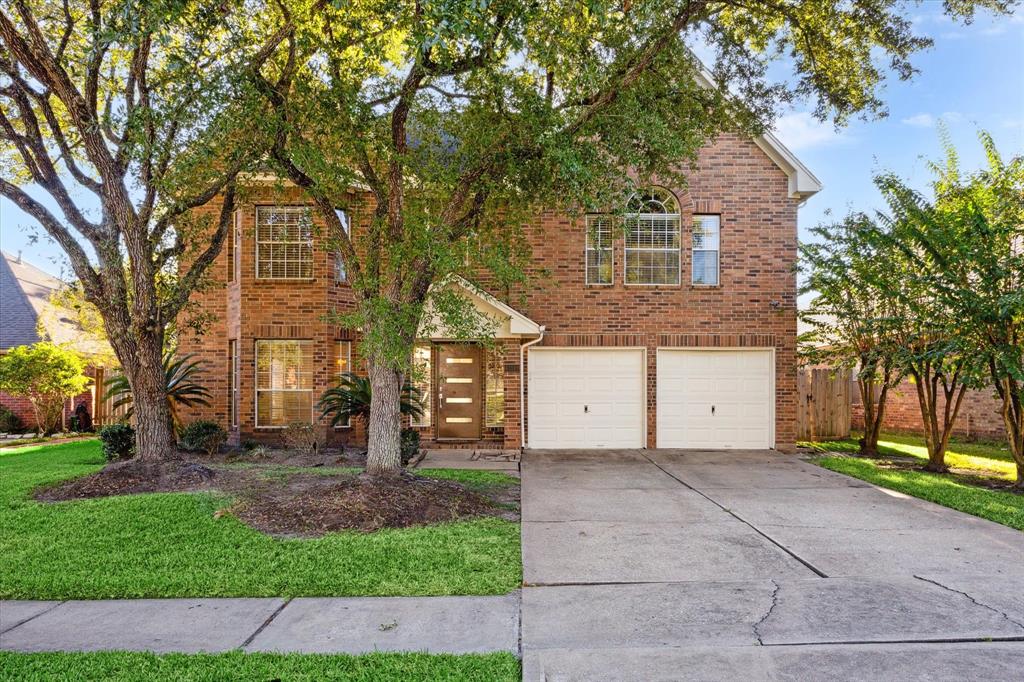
(142, 364)
(874, 414)
(383, 452)
(1012, 411)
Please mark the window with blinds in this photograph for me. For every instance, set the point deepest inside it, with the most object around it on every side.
(706, 230)
(652, 238)
(284, 242)
(284, 382)
(600, 258)
(421, 379)
(494, 405)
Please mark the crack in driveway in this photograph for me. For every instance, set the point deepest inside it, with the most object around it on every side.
(972, 599)
(768, 613)
(814, 569)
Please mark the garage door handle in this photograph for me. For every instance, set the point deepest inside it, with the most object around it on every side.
(586, 408)
(712, 410)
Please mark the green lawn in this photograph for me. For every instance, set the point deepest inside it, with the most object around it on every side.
(1002, 507)
(993, 459)
(170, 545)
(142, 667)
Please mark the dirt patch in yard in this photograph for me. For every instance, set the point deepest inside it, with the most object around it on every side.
(315, 504)
(306, 502)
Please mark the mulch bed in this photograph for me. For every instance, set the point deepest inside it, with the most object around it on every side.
(300, 504)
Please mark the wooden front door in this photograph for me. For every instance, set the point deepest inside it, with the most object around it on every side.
(459, 377)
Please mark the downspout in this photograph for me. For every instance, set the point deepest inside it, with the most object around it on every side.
(522, 387)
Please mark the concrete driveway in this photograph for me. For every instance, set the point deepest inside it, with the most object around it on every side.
(671, 565)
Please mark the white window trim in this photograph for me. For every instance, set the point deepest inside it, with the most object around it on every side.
(257, 242)
(348, 364)
(718, 252)
(236, 365)
(587, 248)
(679, 249)
(428, 422)
(258, 390)
(340, 272)
(630, 249)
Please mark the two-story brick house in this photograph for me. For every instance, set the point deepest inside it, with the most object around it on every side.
(678, 332)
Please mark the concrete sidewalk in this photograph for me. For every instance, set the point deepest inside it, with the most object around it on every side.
(309, 625)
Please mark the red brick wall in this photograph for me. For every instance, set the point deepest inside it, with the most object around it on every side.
(754, 304)
(758, 250)
(23, 408)
(979, 415)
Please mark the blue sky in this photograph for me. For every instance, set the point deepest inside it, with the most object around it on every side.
(973, 78)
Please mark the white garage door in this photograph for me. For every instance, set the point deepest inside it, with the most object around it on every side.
(586, 398)
(715, 398)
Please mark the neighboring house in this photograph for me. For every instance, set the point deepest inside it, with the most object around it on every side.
(28, 316)
(681, 335)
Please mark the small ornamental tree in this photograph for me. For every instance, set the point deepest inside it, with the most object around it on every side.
(967, 248)
(461, 119)
(851, 317)
(46, 375)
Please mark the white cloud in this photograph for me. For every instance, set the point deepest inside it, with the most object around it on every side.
(926, 120)
(800, 130)
(920, 121)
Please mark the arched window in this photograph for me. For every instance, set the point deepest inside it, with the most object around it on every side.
(652, 238)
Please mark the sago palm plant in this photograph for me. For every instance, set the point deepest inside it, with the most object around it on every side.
(181, 387)
(351, 398)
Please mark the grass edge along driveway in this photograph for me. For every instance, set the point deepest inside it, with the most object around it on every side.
(172, 545)
(949, 490)
(124, 666)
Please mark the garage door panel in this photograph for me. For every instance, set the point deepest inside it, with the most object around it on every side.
(738, 383)
(610, 384)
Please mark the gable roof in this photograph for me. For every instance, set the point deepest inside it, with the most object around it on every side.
(24, 290)
(509, 322)
(802, 182)
(25, 310)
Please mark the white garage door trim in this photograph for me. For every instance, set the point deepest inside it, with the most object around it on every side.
(661, 419)
(532, 437)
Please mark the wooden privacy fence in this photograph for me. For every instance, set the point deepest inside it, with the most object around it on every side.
(823, 408)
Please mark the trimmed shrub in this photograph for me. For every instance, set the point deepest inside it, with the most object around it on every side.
(300, 436)
(10, 422)
(410, 445)
(202, 436)
(118, 441)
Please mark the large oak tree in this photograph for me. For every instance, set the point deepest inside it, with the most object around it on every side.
(127, 116)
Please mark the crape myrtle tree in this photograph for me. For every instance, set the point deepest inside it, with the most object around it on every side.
(117, 119)
(853, 318)
(459, 117)
(966, 247)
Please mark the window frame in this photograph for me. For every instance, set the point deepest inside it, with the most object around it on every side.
(587, 249)
(340, 273)
(427, 420)
(347, 345)
(234, 365)
(258, 242)
(638, 216)
(717, 251)
(495, 356)
(258, 390)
